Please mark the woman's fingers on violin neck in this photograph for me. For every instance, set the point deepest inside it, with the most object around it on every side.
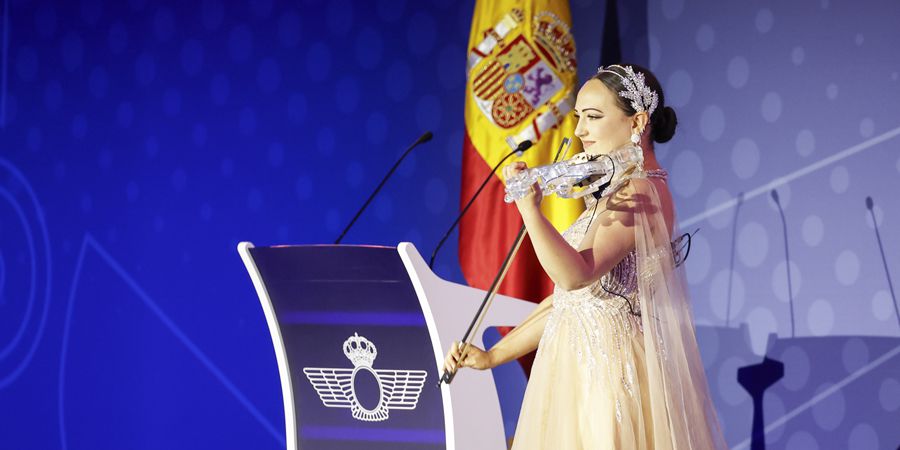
(514, 168)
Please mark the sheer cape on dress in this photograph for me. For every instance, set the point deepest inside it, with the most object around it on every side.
(682, 412)
(606, 378)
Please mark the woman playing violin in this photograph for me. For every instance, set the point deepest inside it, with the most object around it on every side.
(617, 363)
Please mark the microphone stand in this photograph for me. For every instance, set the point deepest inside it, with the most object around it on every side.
(447, 376)
(870, 205)
(787, 257)
(422, 139)
(737, 209)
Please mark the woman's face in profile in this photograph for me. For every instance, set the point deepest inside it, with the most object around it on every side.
(602, 125)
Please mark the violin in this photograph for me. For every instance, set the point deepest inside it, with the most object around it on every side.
(603, 173)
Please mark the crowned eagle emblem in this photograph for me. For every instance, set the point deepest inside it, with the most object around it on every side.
(398, 389)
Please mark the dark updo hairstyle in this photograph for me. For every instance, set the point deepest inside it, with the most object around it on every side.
(663, 120)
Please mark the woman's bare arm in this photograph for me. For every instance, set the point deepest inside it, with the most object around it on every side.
(613, 238)
(524, 338)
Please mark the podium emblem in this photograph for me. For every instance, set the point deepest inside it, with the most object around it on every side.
(397, 389)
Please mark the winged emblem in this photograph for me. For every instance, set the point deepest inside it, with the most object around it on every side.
(398, 389)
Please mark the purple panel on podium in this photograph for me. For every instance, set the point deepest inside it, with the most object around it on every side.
(358, 351)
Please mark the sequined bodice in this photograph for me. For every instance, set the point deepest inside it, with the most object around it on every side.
(621, 280)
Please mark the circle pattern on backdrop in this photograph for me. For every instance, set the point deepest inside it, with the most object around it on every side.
(883, 305)
(771, 107)
(802, 439)
(806, 142)
(745, 158)
(738, 72)
(779, 281)
(798, 54)
(829, 412)
(712, 123)
(854, 354)
(671, 9)
(866, 127)
(764, 20)
(863, 437)
(846, 268)
(796, 368)
(889, 394)
(706, 37)
(812, 230)
(688, 173)
(839, 179)
(752, 244)
(820, 317)
(721, 219)
(679, 88)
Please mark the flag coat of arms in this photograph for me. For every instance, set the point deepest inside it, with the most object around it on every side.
(521, 77)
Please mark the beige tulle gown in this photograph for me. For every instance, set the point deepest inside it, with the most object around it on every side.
(605, 378)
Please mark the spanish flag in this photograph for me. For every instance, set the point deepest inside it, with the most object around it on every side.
(521, 78)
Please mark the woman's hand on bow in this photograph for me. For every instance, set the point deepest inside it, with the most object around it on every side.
(475, 358)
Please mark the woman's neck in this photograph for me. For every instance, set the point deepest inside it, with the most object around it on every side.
(650, 162)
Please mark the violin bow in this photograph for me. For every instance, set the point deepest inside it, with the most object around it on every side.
(488, 300)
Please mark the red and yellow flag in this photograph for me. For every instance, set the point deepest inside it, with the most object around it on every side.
(520, 86)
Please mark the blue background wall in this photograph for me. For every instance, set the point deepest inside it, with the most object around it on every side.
(141, 141)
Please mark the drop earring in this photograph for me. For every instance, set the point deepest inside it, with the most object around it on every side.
(635, 138)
